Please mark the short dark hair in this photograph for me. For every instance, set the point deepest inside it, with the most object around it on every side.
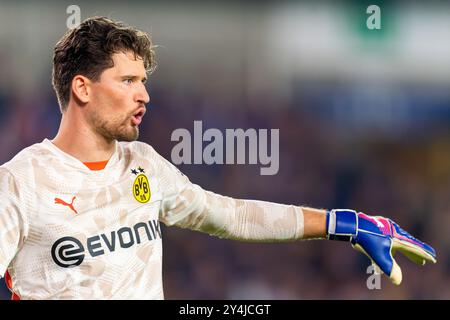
(87, 50)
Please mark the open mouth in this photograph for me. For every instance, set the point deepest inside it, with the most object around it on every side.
(137, 116)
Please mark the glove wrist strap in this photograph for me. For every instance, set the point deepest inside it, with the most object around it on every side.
(342, 224)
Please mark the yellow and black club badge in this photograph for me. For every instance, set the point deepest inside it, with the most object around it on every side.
(141, 187)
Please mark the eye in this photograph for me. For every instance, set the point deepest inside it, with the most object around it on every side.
(128, 81)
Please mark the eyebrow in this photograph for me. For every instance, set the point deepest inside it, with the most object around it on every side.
(132, 77)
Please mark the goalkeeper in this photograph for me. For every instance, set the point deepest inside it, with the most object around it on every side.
(80, 214)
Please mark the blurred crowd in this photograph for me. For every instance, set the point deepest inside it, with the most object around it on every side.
(323, 164)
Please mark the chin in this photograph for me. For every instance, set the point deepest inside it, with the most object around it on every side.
(129, 136)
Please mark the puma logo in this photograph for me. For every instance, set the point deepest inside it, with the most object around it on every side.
(70, 205)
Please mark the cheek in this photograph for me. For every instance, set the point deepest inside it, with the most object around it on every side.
(105, 100)
(109, 97)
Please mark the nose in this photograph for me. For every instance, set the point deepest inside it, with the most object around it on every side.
(142, 95)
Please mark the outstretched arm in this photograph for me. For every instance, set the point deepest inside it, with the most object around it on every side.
(246, 220)
(250, 220)
(187, 205)
(315, 223)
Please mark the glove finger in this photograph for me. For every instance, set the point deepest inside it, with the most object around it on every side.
(395, 274)
(414, 249)
(412, 252)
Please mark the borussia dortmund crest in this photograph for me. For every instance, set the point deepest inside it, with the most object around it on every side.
(141, 187)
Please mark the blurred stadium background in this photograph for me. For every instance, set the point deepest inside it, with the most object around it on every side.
(364, 119)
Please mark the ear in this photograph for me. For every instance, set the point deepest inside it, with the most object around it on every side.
(81, 88)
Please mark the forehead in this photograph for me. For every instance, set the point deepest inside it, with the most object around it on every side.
(126, 62)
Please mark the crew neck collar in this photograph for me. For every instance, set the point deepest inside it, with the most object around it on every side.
(71, 160)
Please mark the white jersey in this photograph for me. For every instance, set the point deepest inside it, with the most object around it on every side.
(68, 232)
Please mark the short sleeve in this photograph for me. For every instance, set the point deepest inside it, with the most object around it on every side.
(11, 222)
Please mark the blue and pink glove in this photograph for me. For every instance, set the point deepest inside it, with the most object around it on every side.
(378, 238)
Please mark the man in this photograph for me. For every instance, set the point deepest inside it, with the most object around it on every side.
(79, 214)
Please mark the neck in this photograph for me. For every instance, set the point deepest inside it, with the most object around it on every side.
(76, 137)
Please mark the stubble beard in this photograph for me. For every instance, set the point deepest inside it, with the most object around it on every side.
(115, 129)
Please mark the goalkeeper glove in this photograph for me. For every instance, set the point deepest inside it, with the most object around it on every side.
(378, 238)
